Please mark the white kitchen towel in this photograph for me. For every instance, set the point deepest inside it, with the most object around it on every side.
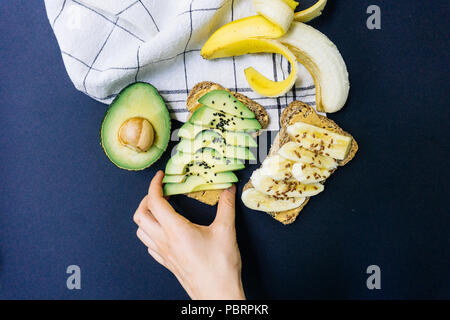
(108, 44)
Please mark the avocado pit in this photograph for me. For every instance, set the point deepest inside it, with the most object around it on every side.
(137, 134)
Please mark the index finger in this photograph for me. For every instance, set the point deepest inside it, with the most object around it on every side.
(159, 206)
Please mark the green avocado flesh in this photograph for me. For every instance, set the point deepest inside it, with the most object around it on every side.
(241, 139)
(192, 184)
(214, 119)
(213, 140)
(137, 100)
(208, 160)
(213, 143)
(210, 177)
(222, 100)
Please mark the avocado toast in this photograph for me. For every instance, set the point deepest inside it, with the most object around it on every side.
(222, 122)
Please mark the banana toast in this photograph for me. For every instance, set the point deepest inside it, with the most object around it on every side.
(300, 112)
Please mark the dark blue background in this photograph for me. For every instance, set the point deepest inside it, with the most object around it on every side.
(62, 202)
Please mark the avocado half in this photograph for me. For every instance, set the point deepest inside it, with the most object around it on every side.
(138, 100)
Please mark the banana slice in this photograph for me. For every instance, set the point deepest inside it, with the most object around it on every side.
(295, 152)
(323, 60)
(283, 188)
(307, 174)
(256, 200)
(310, 13)
(277, 167)
(276, 11)
(320, 140)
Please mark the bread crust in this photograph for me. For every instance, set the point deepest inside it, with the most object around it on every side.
(294, 112)
(211, 197)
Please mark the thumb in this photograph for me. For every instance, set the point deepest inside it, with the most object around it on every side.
(226, 207)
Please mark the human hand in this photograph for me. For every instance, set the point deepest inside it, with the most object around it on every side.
(205, 259)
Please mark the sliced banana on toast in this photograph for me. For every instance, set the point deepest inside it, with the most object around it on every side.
(320, 140)
(285, 188)
(306, 152)
(295, 152)
(277, 167)
(307, 174)
(256, 200)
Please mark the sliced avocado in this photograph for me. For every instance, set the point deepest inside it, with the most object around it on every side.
(192, 184)
(213, 140)
(212, 186)
(222, 100)
(240, 139)
(214, 119)
(204, 161)
(138, 112)
(234, 138)
(210, 177)
(174, 178)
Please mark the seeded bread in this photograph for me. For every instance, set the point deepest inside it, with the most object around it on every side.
(211, 197)
(295, 112)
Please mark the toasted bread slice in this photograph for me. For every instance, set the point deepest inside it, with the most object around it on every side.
(295, 112)
(211, 197)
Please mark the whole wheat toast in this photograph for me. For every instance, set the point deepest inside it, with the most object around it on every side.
(295, 112)
(211, 197)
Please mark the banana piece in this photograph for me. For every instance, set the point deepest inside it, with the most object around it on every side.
(279, 12)
(256, 200)
(277, 167)
(307, 174)
(295, 152)
(310, 13)
(285, 188)
(320, 140)
(321, 57)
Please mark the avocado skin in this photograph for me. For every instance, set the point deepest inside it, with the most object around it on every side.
(109, 109)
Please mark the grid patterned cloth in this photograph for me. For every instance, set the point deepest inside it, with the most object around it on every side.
(107, 44)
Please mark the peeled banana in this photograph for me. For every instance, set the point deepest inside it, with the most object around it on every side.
(321, 57)
(256, 200)
(279, 12)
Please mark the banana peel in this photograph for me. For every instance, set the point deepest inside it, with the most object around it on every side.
(256, 80)
(311, 13)
(291, 3)
(260, 83)
(267, 33)
(245, 28)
